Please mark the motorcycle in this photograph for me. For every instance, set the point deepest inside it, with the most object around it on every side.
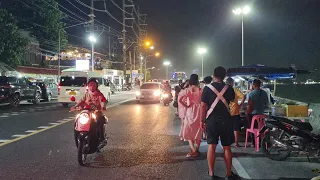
(166, 98)
(287, 136)
(86, 132)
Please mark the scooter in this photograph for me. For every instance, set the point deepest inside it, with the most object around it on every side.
(166, 98)
(287, 136)
(86, 132)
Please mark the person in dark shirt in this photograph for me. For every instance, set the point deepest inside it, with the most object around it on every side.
(215, 110)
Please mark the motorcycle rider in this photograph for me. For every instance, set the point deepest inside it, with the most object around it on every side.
(94, 96)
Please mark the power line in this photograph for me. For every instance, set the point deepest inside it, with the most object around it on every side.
(105, 7)
(120, 7)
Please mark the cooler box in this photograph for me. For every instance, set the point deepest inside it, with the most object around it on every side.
(297, 111)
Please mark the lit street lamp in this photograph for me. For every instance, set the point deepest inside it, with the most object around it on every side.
(152, 47)
(93, 40)
(167, 63)
(202, 51)
(151, 68)
(59, 46)
(242, 11)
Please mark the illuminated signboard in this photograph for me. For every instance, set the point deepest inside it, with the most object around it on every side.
(82, 65)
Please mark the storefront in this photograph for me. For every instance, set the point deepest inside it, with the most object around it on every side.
(115, 76)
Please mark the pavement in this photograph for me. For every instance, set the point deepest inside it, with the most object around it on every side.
(36, 142)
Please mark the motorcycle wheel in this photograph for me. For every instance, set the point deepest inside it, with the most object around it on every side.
(82, 154)
(269, 143)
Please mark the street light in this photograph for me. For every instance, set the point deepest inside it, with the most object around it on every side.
(93, 40)
(242, 11)
(148, 43)
(202, 51)
(167, 63)
(157, 54)
(152, 47)
(59, 47)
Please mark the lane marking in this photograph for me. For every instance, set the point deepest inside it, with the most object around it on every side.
(4, 116)
(4, 140)
(237, 166)
(43, 127)
(18, 135)
(14, 114)
(33, 132)
(61, 121)
(54, 123)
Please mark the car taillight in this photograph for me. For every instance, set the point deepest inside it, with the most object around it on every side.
(59, 89)
(73, 99)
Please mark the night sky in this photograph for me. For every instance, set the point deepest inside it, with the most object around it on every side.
(276, 32)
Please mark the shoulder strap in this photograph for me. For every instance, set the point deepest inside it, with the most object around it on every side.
(218, 98)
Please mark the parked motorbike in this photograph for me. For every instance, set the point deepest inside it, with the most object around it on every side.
(86, 132)
(166, 98)
(286, 136)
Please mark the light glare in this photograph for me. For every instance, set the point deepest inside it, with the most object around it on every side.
(92, 39)
(166, 63)
(202, 51)
(246, 10)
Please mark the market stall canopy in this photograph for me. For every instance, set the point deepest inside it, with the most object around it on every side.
(270, 73)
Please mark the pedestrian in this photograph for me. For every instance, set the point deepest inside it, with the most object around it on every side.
(215, 110)
(235, 110)
(190, 99)
(208, 80)
(258, 102)
(177, 90)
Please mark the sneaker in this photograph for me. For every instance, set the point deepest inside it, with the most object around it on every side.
(233, 177)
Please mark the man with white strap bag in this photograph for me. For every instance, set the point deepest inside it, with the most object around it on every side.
(215, 111)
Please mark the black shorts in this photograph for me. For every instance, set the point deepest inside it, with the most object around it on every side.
(220, 127)
(236, 121)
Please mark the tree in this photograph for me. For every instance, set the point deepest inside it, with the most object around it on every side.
(12, 44)
(42, 18)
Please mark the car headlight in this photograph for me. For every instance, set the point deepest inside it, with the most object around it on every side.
(84, 118)
(156, 93)
(138, 93)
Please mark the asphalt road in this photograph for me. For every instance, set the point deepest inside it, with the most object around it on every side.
(143, 144)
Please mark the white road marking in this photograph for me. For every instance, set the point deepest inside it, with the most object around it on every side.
(31, 131)
(43, 127)
(3, 140)
(238, 167)
(18, 135)
(4, 116)
(54, 123)
(14, 114)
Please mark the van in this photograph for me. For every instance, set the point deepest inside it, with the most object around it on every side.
(73, 86)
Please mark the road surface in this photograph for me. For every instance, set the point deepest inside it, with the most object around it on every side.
(36, 142)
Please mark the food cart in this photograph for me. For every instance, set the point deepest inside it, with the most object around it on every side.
(283, 107)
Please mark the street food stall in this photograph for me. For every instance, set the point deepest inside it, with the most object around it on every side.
(282, 107)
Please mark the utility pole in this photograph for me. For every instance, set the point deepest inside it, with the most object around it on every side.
(109, 55)
(92, 33)
(134, 58)
(130, 66)
(124, 38)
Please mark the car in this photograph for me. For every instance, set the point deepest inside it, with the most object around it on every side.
(73, 86)
(15, 89)
(150, 92)
(48, 87)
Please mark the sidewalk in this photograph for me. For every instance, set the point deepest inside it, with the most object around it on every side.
(247, 163)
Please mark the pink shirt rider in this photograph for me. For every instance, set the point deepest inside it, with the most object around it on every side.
(96, 98)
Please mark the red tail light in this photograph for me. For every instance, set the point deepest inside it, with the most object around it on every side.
(59, 89)
(73, 99)
(6, 86)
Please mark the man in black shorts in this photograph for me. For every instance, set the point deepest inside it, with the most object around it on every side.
(215, 109)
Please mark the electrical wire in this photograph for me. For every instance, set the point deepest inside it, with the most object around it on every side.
(120, 7)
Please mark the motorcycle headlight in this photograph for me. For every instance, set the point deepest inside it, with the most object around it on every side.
(138, 93)
(84, 118)
(165, 95)
(156, 93)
